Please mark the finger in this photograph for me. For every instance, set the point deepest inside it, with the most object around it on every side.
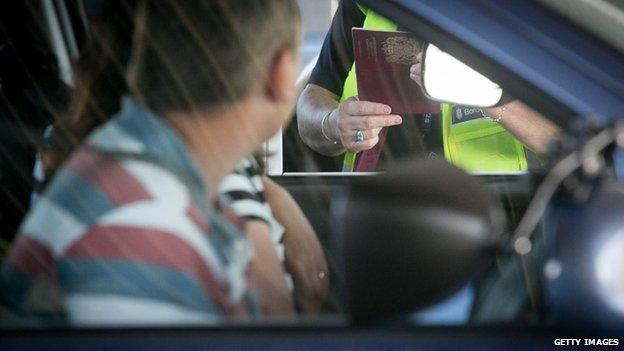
(419, 57)
(373, 122)
(415, 77)
(364, 108)
(365, 145)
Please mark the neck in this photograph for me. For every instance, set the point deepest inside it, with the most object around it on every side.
(216, 140)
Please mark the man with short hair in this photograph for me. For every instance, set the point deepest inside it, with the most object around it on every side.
(128, 231)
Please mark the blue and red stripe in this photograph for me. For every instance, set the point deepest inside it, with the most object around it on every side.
(31, 257)
(154, 247)
(108, 174)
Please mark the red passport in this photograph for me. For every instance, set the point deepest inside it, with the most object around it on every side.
(382, 64)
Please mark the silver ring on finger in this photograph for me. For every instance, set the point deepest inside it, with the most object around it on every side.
(359, 136)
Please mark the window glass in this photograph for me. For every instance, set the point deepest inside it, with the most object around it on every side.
(293, 221)
(498, 135)
(500, 145)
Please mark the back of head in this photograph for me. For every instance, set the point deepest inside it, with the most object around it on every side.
(177, 55)
(207, 54)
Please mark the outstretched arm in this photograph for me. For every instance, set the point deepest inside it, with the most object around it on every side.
(534, 130)
(266, 274)
(304, 257)
(531, 128)
(330, 127)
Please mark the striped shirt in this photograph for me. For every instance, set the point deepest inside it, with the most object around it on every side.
(124, 235)
(243, 192)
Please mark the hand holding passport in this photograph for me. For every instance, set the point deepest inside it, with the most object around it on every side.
(382, 62)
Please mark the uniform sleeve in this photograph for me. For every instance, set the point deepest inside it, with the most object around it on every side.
(336, 57)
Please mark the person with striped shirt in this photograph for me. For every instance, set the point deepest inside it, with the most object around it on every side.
(272, 216)
(243, 191)
(129, 230)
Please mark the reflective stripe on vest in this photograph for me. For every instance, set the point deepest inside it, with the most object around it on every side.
(479, 145)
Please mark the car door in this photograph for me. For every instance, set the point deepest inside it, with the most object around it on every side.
(535, 55)
(541, 58)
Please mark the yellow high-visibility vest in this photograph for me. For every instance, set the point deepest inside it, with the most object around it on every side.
(475, 145)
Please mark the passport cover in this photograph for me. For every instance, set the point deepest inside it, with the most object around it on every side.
(382, 64)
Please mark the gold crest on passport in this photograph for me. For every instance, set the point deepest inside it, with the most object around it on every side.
(401, 50)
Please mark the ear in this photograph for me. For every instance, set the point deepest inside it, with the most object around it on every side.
(282, 76)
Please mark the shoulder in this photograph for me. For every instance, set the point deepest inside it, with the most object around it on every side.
(354, 6)
(94, 188)
(93, 183)
(349, 14)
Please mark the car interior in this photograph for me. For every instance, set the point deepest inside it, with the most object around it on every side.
(349, 210)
